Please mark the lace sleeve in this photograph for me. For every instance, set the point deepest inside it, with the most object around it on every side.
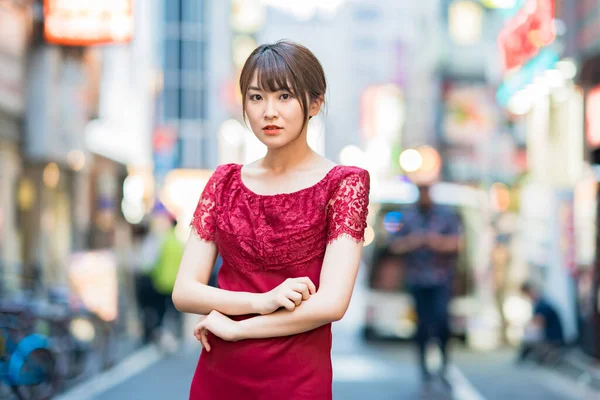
(203, 222)
(348, 208)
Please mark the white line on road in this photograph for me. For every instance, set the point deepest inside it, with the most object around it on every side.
(462, 389)
(564, 386)
(126, 369)
(354, 368)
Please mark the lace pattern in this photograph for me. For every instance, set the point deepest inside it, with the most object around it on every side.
(256, 232)
(203, 221)
(348, 208)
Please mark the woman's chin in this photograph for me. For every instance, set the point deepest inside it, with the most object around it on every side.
(274, 142)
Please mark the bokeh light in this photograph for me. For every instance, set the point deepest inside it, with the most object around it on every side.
(392, 221)
(369, 235)
(411, 160)
(76, 160)
(51, 175)
(351, 155)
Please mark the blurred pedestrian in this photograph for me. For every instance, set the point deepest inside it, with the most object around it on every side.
(544, 335)
(429, 241)
(143, 258)
(285, 225)
(164, 273)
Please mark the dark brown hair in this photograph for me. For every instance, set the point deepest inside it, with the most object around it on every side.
(285, 66)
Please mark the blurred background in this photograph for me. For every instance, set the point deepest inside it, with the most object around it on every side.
(115, 112)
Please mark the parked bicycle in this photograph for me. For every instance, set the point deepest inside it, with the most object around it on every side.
(27, 364)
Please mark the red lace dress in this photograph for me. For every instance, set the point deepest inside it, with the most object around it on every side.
(264, 239)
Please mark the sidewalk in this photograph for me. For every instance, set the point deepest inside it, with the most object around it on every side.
(583, 369)
(498, 377)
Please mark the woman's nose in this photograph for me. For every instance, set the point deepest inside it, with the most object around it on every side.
(270, 109)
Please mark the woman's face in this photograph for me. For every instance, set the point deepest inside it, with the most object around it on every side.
(276, 118)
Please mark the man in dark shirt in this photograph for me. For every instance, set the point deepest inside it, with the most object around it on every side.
(546, 321)
(429, 242)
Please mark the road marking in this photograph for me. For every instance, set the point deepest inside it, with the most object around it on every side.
(123, 371)
(353, 368)
(461, 387)
(565, 386)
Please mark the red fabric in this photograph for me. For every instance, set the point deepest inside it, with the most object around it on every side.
(263, 240)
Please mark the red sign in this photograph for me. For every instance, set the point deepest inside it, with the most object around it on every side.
(164, 138)
(529, 30)
(84, 23)
(592, 120)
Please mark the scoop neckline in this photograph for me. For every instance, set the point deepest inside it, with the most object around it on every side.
(247, 189)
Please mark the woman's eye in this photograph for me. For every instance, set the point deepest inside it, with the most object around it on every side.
(285, 96)
(255, 97)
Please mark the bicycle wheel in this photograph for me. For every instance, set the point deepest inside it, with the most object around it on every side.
(5, 392)
(38, 377)
(73, 354)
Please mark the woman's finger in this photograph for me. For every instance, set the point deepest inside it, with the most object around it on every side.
(205, 343)
(302, 289)
(288, 304)
(311, 286)
(198, 330)
(295, 297)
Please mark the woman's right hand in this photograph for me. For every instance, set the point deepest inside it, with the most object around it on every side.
(290, 294)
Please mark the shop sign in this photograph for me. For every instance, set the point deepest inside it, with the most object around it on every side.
(527, 32)
(545, 60)
(470, 114)
(14, 30)
(88, 22)
(592, 118)
(93, 277)
(165, 151)
(566, 215)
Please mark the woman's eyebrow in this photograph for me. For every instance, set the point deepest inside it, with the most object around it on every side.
(279, 89)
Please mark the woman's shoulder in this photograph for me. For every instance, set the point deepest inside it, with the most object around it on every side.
(345, 172)
(225, 170)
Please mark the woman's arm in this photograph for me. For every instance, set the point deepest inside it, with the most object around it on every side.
(405, 244)
(329, 304)
(191, 293)
(446, 244)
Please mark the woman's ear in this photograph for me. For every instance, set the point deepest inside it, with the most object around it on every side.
(315, 106)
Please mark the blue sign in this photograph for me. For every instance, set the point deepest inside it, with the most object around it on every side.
(545, 60)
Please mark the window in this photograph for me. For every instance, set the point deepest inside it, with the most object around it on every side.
(172, 10)
(193, 11)
(192, 55)
(171, 54)
(171, 103)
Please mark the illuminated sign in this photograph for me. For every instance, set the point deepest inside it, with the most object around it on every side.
(88, 22)
(592, 113)
(545, 60)
(529, 30)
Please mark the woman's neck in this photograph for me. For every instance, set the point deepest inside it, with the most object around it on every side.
(289, 157)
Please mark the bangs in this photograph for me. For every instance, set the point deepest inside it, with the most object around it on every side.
(273, 74)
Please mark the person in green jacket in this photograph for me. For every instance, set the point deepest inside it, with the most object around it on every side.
(165, 270)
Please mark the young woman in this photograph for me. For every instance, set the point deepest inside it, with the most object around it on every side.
(289, 228)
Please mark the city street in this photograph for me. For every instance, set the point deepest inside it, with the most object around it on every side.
(377, 371)
(152, 150)
(384, 371)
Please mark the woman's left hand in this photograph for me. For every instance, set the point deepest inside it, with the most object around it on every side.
(219, 325)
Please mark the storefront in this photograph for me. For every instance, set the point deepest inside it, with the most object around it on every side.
(15, 29)
(589, 279)
(542, 96)
(60, 93)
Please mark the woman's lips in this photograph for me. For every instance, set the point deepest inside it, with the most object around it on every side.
(272, 130)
